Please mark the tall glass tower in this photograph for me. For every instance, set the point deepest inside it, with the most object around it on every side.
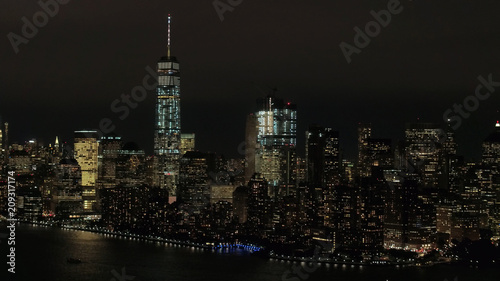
(168, 121)
(276, 141)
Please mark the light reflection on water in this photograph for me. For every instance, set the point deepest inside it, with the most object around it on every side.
(42, 253)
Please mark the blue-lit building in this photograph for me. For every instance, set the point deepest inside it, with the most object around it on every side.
(167, 139)
(276, 141)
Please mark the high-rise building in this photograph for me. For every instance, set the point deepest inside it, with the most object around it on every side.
(491, 148)
(29, 205)
(167, 141)
(21, 161)
(372, 210)
(240, 204)
(322, 156)
(251, 146)
(187, 143)
(424, 151)
(372, 152)
(276, 141)
(86, 154)
(343, 217)
(109, 147)
(323, 171)
(6, 141)
(451, 162)
(259, 214)
(407, 223)
(66, 199)
(57, 147)
(490, 177)
(131, 167)
(1, 142)
(194, 188)
(139, 209)
(449, 144)
(378, 153)
(364, 133)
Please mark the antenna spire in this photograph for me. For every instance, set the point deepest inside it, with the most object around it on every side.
(168, 45)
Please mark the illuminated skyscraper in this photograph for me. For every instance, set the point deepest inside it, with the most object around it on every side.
(407, 224)
(167, 141)
(259, 214)
(131, 165)
(193, 181)
(66, 197)
(56, 151)
(188, 142)
(6, 141)
(109, 147)
(56, 144)
(490, 190)
(86, 154)
(323, 171)
(424, 151)
(378, 153)
(491, 149)
(251, 145)
(276, 141)
(364, 133)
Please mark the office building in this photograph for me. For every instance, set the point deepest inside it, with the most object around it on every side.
(109, 147)
(86, 149)
(66, 195)
(322, 156)
(491, 149)
(167, 140)
(251, 146)
(424, 151)
(194, 188)
(187, 143)
(276, 142)
(364, 133)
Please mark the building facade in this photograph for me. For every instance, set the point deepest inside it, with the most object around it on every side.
(167, 140)
(86, 149)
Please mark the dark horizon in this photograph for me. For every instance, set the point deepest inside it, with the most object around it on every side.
(426, 60)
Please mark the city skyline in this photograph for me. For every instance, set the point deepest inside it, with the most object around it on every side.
(315, 136)
(372, 88)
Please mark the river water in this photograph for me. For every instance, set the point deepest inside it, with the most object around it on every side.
(42, 252)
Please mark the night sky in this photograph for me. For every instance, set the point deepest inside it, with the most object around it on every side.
(427, 59)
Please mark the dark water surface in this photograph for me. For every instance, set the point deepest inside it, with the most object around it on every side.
(41, 254)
